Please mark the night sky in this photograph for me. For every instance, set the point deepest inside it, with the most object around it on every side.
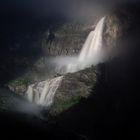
(46, 7)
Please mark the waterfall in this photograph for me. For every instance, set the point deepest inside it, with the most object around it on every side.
(43, 92)
(92, 53)
(93, 43)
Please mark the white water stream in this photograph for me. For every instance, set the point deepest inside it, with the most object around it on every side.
(92, 52)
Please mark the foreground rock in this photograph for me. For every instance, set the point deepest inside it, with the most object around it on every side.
(73, 88)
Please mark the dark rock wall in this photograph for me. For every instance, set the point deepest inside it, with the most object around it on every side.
(68, 40)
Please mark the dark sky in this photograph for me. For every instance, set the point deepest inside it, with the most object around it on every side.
(55, 6)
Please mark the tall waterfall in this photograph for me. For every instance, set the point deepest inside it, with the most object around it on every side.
(91, 54)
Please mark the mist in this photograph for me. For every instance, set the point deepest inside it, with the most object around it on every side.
(15, 103)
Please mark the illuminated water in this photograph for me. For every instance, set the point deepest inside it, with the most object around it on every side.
(43, 92)
(92, 52)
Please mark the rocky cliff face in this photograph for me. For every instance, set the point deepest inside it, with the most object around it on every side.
(68, 39)
(74, 87)
(121, 27)
(112, 31)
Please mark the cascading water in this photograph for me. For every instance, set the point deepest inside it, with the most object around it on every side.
(94, 43)
(92, 53)
(43, 92)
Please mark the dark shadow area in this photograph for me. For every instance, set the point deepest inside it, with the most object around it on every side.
(21, 42)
